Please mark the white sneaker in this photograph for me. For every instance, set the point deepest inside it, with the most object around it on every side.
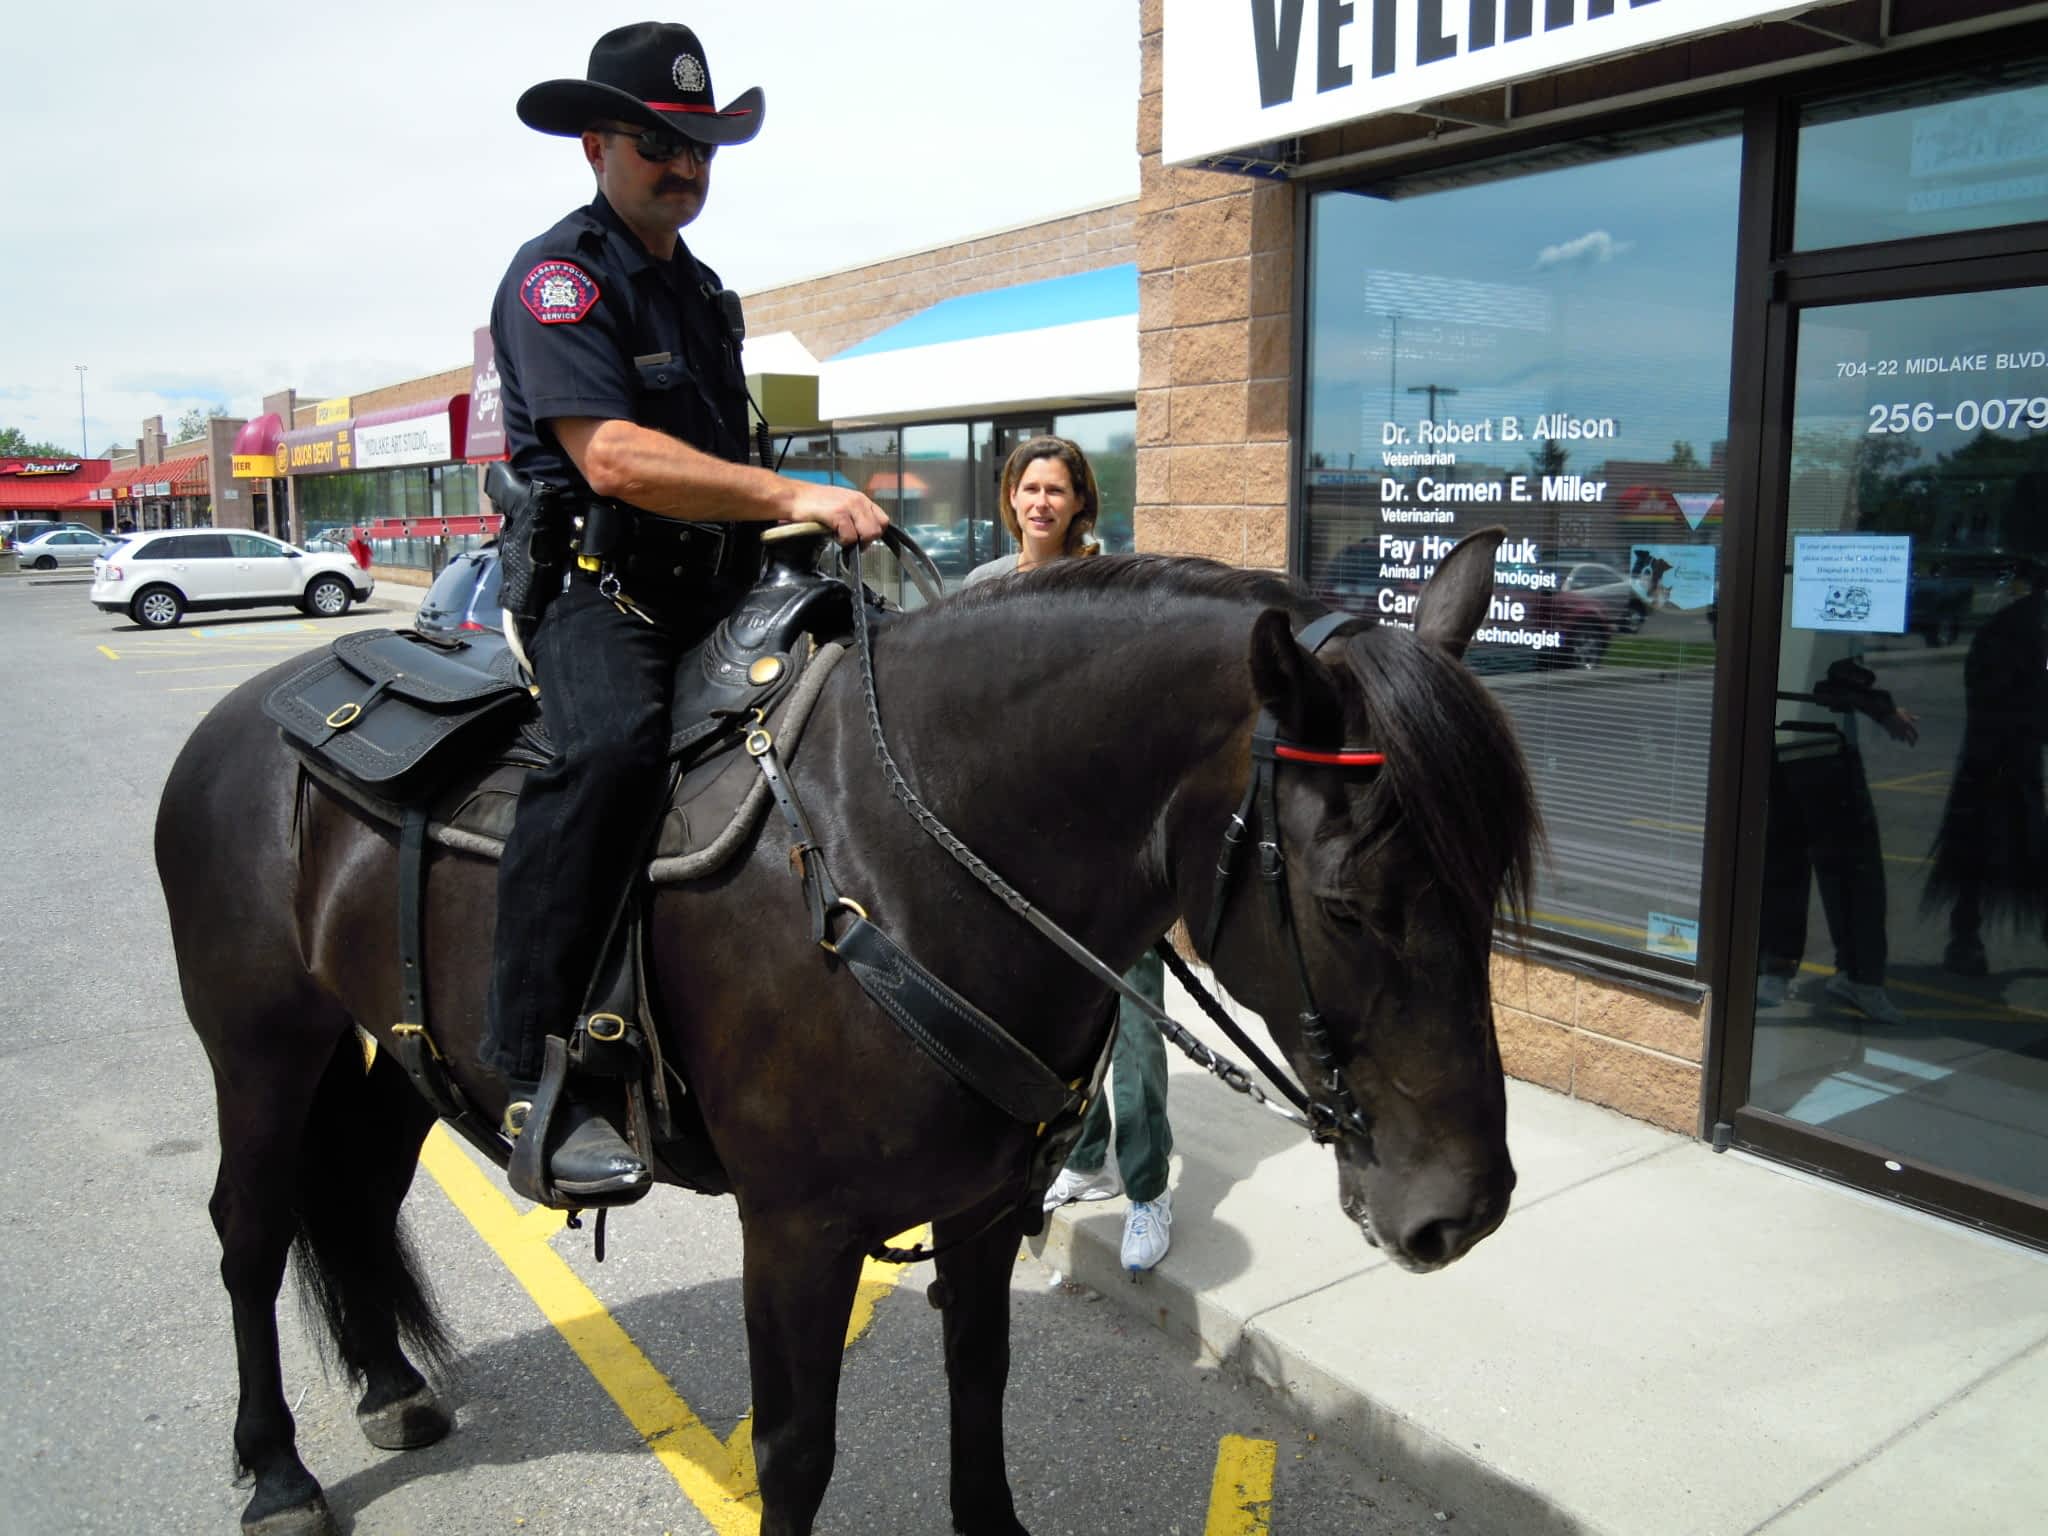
(1772, 990)
(1870, 1000)
(1148, 1231)
(1072, 1184)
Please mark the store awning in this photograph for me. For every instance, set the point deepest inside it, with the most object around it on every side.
(173, 477)
(427, 432)
(255, 450)
(1061, 341)
(48, 496)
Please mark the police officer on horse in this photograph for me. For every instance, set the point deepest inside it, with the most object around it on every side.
(632, 522)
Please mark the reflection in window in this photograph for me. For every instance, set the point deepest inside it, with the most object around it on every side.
(1548, 353)
(1900, 999)
(1940, 156)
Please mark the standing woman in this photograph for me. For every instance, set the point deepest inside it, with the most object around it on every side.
(1049, 505)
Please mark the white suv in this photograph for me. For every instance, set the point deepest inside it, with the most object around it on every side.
(156, 578)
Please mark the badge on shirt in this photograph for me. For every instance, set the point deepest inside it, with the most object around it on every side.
(557, 293)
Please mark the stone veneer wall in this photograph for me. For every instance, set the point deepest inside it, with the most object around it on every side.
(1216, 263)
(830, 313)
(1215, 283)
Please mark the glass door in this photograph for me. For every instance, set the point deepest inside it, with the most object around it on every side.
(1901, 983)
(993, 444)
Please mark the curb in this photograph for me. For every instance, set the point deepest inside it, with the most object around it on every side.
(1337, 1409)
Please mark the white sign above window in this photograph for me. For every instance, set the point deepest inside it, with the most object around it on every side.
(1239, 73)
(420, 440)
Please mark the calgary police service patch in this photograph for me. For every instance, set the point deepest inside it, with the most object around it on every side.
(558, 293)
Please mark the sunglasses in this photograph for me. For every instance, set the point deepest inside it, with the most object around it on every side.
(659, 148)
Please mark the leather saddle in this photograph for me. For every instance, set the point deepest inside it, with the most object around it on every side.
(393, 719)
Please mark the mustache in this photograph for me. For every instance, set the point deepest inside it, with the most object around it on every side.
(669, 184)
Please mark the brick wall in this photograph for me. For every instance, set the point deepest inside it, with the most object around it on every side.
(1215, 274)
(831, 313)
(1599, 1042)
(434, 386)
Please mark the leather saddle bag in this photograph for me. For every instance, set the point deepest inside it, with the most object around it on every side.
(386, 708)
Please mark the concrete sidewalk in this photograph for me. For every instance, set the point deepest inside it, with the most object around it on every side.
(1659, 1340)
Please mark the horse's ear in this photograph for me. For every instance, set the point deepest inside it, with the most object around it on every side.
(1457, 594)
(1293, 685)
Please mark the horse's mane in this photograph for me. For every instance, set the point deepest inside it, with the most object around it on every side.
(1123, 576)
(1473, 810)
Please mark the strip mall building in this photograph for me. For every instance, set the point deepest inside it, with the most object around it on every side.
(1733, 312)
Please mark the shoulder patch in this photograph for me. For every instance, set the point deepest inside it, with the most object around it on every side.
(557, 292)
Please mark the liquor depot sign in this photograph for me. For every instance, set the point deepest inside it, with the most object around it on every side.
(1240, 74)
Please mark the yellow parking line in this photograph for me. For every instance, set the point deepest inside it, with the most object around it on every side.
(110, 653)
(1241, 1493)
(718, 1479)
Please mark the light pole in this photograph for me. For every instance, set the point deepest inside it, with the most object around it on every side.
(83, 452)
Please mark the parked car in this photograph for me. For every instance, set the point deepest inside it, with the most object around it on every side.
(464, 596)
(60, 546)
(16, 530)
(157, 578)
(1603, 584)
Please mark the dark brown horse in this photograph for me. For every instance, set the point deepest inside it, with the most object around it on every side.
(1087, 731)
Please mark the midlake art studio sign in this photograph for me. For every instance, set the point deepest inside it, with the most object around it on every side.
(1239, 73)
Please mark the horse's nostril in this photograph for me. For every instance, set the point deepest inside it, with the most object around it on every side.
(1436, 1242)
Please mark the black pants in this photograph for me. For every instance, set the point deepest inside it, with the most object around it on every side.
(1821, 823)
(585, 820)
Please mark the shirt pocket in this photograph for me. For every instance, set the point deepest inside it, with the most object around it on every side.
(670, 400)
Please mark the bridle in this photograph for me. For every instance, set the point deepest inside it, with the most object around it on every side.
(1327, 1119)
(1336, 1113)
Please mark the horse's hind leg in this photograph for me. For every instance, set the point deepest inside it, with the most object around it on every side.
(353, 1260)
(799, 1293)
(974, 1294)
(265, 1100)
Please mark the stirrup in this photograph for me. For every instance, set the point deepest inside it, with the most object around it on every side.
(531, 1172)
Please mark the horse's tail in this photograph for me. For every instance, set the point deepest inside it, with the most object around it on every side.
(357, 1273)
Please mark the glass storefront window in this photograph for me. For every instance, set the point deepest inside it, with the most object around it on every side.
(1944, 155)
(934, 499)
(1902, 987)
(1549, 353)
(1110, 439)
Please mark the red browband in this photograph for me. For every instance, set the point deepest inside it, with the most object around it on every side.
(1349, 757)
(691, 106)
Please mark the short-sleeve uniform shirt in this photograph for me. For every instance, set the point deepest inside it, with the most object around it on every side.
(587, 323)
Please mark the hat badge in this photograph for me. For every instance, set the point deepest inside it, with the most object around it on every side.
(687, 72)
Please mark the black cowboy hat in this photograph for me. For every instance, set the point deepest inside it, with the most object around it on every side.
(652, 72)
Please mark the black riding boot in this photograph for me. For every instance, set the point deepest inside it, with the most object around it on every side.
(587, 1162)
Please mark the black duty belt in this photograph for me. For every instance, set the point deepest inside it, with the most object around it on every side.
(656, 559)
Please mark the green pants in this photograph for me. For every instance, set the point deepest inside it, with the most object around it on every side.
(1137, 1082)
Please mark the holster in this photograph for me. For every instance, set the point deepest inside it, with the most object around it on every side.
(533, 545)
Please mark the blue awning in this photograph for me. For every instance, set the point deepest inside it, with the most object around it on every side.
(1059, 343)
(1104, 294)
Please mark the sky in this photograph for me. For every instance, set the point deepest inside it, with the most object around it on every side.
(206, 203)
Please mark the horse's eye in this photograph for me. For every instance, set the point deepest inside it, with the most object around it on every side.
(1341, 910)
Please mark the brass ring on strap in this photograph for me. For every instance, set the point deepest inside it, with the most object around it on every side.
(345, 716)
(605, 1027)
(759, 743)
(856, 909)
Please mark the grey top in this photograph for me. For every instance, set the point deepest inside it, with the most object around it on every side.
(1002, 565)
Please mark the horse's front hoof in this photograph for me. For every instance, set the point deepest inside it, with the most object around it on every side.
(407, 1424)
(308, 1519)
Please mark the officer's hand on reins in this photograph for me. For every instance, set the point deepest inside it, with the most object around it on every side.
(850, 516)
